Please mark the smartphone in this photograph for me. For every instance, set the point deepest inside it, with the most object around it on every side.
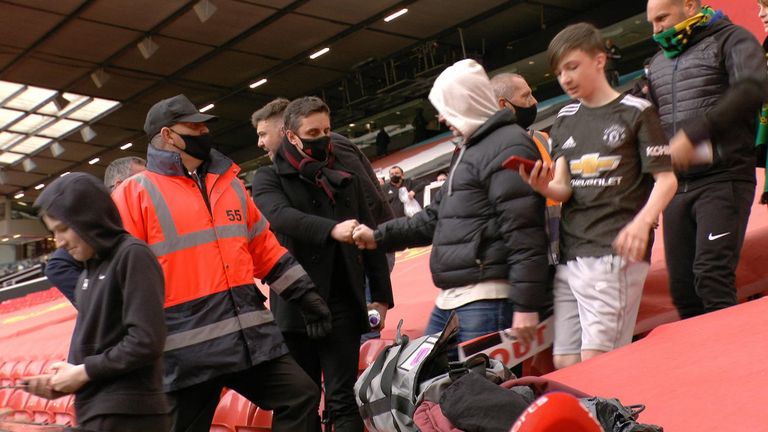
(514, 162)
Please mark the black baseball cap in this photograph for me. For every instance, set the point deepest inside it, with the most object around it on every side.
(178, 109)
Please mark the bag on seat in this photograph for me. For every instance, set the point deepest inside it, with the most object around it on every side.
(387, 391)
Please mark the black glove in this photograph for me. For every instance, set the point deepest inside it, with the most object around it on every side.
(316, 315)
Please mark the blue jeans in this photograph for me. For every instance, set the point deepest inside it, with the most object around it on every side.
(475, 319)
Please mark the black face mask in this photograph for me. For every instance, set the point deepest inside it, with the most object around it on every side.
(197, 146)
(317, 148)
(525, 116)
(395, 178)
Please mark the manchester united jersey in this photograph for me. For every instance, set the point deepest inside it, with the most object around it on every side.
(612, 152)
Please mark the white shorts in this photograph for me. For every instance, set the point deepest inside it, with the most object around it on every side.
(596, 303)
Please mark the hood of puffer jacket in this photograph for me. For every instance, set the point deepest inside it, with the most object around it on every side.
(463, 95)
(83, 203)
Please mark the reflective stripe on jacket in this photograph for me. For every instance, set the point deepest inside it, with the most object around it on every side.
(216, 318)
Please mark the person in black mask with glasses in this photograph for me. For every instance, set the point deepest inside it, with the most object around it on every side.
(514, 93)
(313, 201)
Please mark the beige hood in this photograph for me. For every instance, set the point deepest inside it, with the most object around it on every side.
(464, 96)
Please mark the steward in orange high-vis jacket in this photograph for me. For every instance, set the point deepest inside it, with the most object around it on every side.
(211, 241)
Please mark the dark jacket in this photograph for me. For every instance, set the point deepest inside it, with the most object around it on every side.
(63, 271)
(302, 216)
(350, 156)
(119, 296)
(486, 222)
(713, 90)
(392, 193)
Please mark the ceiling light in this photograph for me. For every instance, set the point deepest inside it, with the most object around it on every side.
(396, 15)
(319, 53)
(29, 165)
(40, 186)
(65, 173)
(16, 235)
(57, 149)
(531, 62)
(19, 195)
(88, 133)
(126, 146)
(100, 77)
(258, 83)
(93, 161)
(205, 10)
(147, 47)
(351, 125)
(21, 203)
(60, 102)
(206, 108)
(5, 239)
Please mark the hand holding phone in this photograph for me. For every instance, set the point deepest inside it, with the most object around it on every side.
(514, 163)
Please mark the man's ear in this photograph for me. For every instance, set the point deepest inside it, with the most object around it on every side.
(166, 132)
(692, 7)
(500, 102)
(294, 139)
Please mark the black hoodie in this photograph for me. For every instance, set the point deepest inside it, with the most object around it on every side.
(121, 330)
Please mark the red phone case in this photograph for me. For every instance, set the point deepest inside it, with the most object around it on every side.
(514, 162)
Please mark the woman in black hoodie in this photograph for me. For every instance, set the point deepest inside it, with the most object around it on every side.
(116, 364)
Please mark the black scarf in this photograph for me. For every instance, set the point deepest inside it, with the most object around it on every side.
(321, 173)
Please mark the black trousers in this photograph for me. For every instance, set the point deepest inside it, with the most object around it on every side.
(703, 234)
(279, 385)
(335, 360)
(126, 423)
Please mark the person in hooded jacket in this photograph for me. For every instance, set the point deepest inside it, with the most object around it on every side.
(486, 225)
(116, 354)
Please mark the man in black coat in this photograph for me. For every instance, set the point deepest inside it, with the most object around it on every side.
(313, 202)
(397, 180)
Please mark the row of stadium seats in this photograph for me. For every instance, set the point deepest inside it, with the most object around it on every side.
(26, 408)
(234, 413)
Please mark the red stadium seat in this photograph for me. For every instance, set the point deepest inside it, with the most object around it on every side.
(62, 410)
(19, 370)
(369, 350)
(260, 422)
(35, 367)
(17, 400)
(233, 410)
(36, 408)
(215, 427)
(5, 372)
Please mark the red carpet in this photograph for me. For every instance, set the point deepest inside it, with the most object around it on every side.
(704, 374)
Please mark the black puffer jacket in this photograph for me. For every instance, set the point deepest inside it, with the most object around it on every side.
(486, 223)
(713, 90)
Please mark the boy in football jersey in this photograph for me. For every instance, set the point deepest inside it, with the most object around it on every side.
(608, 149)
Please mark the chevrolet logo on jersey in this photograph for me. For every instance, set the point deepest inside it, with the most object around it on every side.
(592, 165)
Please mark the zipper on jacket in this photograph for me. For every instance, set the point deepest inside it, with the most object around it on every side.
(456, 165)
(201, 187)
(674, 96)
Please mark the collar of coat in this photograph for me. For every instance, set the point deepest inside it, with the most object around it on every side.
(501, 118)
(169, 163)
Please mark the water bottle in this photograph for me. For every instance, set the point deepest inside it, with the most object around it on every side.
(374, 318)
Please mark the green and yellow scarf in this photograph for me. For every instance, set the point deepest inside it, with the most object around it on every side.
(675, 40)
